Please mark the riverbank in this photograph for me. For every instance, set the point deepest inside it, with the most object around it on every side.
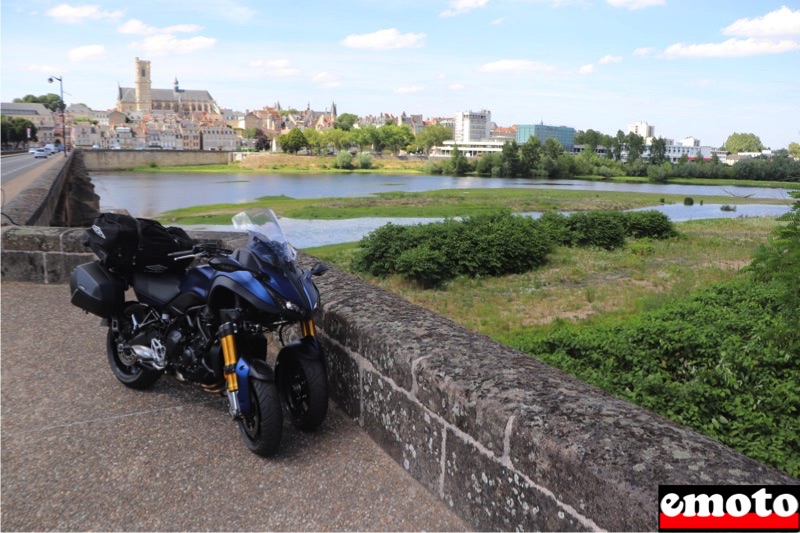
(444, 203)
(270, 163)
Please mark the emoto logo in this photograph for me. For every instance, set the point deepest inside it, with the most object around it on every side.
(728, 508)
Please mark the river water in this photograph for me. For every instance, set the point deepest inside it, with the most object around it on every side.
(148, 195)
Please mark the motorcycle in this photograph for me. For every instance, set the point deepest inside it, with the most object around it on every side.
(206, 324)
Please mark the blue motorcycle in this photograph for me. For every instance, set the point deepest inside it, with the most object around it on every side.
(206, 324)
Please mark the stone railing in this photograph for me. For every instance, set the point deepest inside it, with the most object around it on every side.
(506, 441)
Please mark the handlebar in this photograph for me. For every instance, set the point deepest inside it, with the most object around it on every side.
(200, 250)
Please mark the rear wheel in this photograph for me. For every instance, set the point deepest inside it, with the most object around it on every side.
(262, 427)
(127, 370)
(303, 386)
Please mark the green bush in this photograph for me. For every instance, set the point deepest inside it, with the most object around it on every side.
(363, 161)
(688, 201)
(430, 254)
(725, 361)
(343, 160)
(603, 229)
(650, 224)
(555, 224)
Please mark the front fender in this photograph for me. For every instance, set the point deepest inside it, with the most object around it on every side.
(305, 348)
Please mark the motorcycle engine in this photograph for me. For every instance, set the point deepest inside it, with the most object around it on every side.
(192, 357)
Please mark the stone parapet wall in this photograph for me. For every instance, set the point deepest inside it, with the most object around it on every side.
(127, 159)
(507, 441)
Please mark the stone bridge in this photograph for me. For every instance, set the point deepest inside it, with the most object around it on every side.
(504, 440)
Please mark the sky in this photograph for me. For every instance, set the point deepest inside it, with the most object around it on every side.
(700, 68)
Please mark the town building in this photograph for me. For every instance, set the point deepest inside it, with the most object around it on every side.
(469, 149)
(472, 126)
(642, 129)
(142, 97)
(563, 134)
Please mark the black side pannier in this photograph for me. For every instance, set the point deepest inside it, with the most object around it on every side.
(126, 244)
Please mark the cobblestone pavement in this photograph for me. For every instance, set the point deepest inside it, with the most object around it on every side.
(82, 452)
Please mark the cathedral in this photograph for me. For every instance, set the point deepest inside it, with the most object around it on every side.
(143, 97)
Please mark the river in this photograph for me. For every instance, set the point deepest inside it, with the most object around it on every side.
(148, 195)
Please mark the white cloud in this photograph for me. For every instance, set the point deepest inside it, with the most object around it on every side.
(516, 66)
(635, 4)
(459, 7)
(586, 69)
(388, 39)
(497, 22)
(279, 68)
(90, 52)
(137, 27)
(408, 90)
(605, 60)
(644, 52)
(326, 80)
(46, 69)
(456, 87)
(731, 48)
(778, 23)
(164, 44)
(75, 14)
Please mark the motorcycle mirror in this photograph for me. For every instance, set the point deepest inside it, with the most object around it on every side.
(319, 269)
(225, 264)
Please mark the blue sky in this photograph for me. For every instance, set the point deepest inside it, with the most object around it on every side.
(703, 68)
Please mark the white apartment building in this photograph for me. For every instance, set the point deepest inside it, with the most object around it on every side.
(218, 138)
(473, 126)
(644, 129)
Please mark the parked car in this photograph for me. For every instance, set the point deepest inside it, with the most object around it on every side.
(41, 152)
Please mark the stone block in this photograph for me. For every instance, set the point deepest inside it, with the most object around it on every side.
(405, 430)
(492, 497)
(32, 238)
(22, 266)
(343, 376)
(59, 266)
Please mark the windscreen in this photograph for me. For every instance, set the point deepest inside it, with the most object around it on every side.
(265, 236)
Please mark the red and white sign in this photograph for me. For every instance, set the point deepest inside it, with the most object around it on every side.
(728, 508)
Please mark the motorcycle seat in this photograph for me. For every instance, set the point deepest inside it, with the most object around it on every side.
(156, 289)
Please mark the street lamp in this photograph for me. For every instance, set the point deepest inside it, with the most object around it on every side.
(63, 120)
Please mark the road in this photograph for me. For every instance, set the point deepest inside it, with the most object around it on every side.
(81, 452)
(20, 170)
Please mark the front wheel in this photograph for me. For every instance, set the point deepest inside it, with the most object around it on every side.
(303, 386)
(262, 427)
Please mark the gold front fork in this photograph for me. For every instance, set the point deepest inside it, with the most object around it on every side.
(228, 342)
(307, 328)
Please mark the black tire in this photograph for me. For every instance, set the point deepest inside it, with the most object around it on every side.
(133, 375)
(303, 386)
(263, 427)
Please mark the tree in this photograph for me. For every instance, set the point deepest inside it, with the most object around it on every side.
(512, 165)
(459, 162)
(15, 130)
(618, 145)
(395, 138)
(530, 153)
(553, 148)
(293, 142)
(50, 101)
(658, 151)
(316, 141)
(635, 146)
(431, 136)
(591, 139)
(262, 143)
(345, 121)
(794, 150)
(743, 142)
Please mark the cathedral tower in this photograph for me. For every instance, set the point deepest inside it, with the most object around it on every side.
(144, 97)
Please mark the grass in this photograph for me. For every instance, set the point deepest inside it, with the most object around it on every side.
(441, 203)
(585, 285)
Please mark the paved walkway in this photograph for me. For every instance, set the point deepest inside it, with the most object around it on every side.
(82, 452)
